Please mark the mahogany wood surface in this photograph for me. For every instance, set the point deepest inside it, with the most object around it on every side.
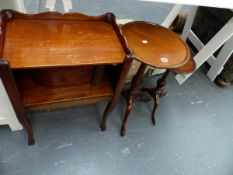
(33, 93)
(52, 39)
(62, 76)
(47, 52)
(9, 83)
(159, 47)
(50, 43)
(187, 67)
(149, 43)
(54, 42)
(117, 91)
(155, 45)
(69, 103)
(131, 94)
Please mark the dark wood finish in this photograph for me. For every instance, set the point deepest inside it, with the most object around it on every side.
(69, 103)
(45, 52)
(151, 42)
(159, 43)
(156, 92)
(8, 81)
(186, 68)
(131, 94)
(123, 75)
(54, 77)
(54, 94)
(99, 70)
(112, 103)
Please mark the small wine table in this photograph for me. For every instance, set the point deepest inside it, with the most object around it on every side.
(158, 47)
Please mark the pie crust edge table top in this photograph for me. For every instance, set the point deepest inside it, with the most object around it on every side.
(151, 44)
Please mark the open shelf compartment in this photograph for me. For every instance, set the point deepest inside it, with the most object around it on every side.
(74, 87)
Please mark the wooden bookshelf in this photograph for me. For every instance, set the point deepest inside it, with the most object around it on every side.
(52, 60)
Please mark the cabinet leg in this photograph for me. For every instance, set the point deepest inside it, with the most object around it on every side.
(28, 127)
(111, 105)
(8, 81)
(108, 110)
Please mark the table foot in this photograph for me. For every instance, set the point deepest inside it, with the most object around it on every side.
(156, 103)
(103, 128)
(27, 125)
(31, 141)
(107, 111)
(131, 94)
(122, 131)
(10, 85)
(127, 112)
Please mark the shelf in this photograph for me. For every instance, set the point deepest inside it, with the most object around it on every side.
(59, 59)
(52, 60)
(37, 96)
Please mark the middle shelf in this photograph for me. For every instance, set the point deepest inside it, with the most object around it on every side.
(62, 87)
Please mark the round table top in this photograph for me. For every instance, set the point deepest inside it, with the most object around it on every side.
(157, 46)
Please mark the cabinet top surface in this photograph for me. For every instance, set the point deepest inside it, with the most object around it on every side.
(31, 43)
(156, 45)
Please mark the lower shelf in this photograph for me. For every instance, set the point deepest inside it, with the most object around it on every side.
(39, 97)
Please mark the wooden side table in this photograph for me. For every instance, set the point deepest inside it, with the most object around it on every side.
(158, 47)
(52, 60)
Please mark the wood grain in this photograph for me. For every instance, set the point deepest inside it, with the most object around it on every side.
(60, 76)
(159, 47)
(33, 93)
(52, 56)
(51, 43)
(187, 67)
(155, 45)
(9, 83)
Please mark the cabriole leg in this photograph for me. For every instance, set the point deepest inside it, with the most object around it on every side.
(111, 105)
(14, 96)
(130, 95)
